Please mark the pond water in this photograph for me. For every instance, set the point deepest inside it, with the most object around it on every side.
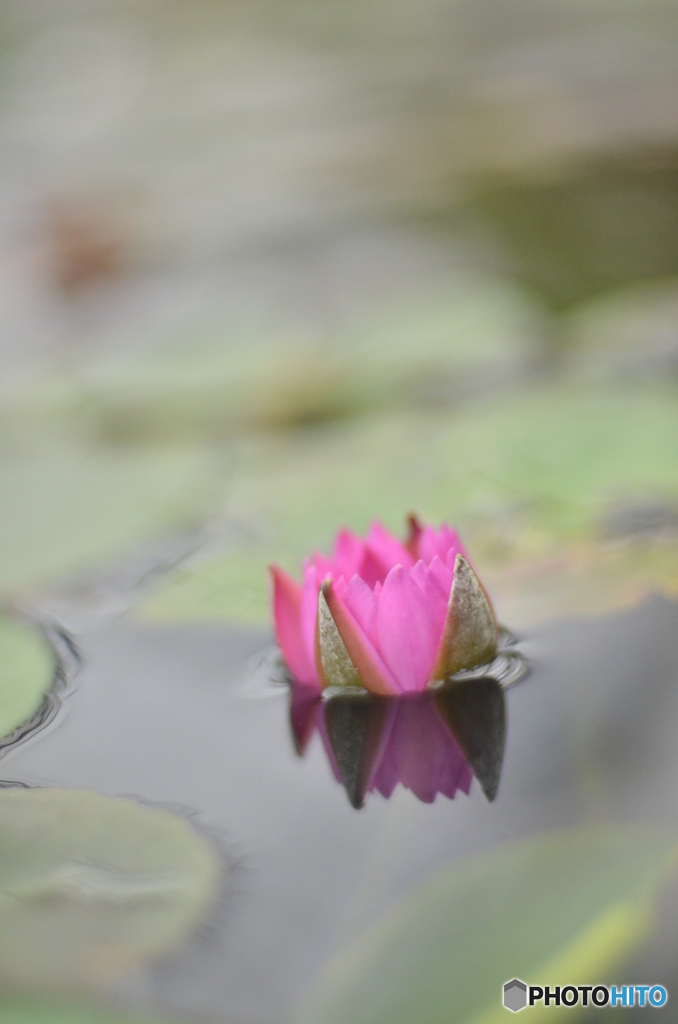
(187, 718)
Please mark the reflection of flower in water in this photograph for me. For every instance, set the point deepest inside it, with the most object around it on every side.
(433, 742)
(389, 616)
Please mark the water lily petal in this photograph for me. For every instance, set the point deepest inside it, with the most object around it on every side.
(443, 542)
(388, 549)
(309, 613)
(348, 554)
(435, 583)
(408, 635)
(372, 570)
(469, 635)
(323, 566)
(373, 673)
(442, 574)
(361, 601)
(287, 596)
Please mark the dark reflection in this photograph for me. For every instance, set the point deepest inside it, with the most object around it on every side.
(432, 742)
(475, 712)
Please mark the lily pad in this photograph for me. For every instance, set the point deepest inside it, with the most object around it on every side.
(224, 378)
(27, 669)
(92, 886)
(564, 907)
(18, 1010)
(67, 507)
(526, 478)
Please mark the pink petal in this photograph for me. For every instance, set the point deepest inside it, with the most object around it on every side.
(442, 574)
(439, 542)
(371, 569)
(435, 583)
(348, 554)
(408, 633)
(309, 612)
(361, 601)
(370, 667)
(287, 613)
(387, 548)
(323, 566)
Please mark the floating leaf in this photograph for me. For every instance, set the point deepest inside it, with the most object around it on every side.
(27, 669)
(18, 1010)
(628, 333)
(67, 507)
(527, 478)
(564, 907)
(218, 381)
(90, 886)
(584, 579)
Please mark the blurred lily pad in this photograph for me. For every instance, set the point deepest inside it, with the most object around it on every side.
(585, 579)
(220, 381)
(627, 334)
(527, 477)
(22, 1010)
(27, 669)
(67, 507)
(567, 906)
(91, 886)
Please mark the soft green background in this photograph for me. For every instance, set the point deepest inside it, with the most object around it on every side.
(549, 910)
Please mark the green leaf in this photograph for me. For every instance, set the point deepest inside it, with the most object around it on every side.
(91, 886)
(18, 1010)
(67, 507)
(556, 909)
(222, 378)
(525, 477)
(27, 669)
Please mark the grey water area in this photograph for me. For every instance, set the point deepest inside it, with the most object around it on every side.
(185, 717)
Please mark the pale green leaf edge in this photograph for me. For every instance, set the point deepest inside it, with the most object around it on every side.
(608, 940)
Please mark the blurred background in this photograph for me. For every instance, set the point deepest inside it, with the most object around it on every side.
(269, 269)
(279, 267)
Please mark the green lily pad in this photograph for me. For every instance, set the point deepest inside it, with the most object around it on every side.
(222, 379)
(525, 477)
(91, 886)
(567, 907)
(18, 1010)
(626, 333)
(27, 669)
(67, 507)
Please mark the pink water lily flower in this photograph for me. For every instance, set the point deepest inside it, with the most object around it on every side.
(391, 616)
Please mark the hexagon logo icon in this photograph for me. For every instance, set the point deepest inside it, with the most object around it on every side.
(515, 995)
